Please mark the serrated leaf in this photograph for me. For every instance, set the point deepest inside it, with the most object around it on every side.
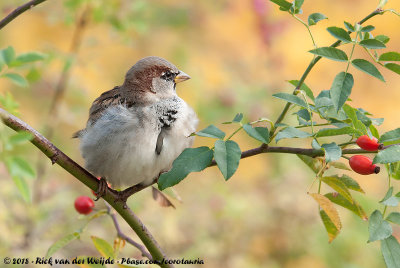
(393, 67)
(238, 118)
(394, 217)
(392, 135)
(23, 188)
(291, 132)
(354, 207)
(350, 183)
(330, 227)
(16, 79)
(389, 155)
(304, 114)
(258, 133)
(379, 229)
(7, 55)
(390, 56)
(367, 28)
(304, 88)
(368, 68)
(390, 248)
(61, 243)
(330, 53)
(357, 124)
(212, 132)
(349, 26)
(284, 5)
(327, 132)
(332, 152)
(329, 209)
(312, 163)
(340, 34)
(341, 89)
(383, 38)
(227, 154)
(103, 247)
(291, 98)
(18, 167)
(20, 137)
(338, 186)
(314, 18)
(190, 160)
(372, 44)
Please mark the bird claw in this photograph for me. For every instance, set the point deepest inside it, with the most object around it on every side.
(122, 196)
(102, 189)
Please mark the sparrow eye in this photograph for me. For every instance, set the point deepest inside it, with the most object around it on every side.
(168, 75)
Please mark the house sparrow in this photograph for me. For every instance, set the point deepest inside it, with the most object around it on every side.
(136, 130)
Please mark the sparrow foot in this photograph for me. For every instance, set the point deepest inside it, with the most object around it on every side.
(102, 189)
(122, 196)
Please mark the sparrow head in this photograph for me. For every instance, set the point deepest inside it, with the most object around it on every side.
(153, 78)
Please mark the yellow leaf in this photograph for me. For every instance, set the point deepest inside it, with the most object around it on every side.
(329, 209)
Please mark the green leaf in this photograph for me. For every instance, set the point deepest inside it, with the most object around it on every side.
(350, 183)
(314, 18)
(312, 163)
(18, 167)
(227, 154)
(341, 89)
(212, 132)
(23, 188)
(368, 68)
(16, 79)
(330, 227)
(327, 132)
(340, 34)
(304, 114)
(62, 243)
(190, 160)
(7, 55)
(29, 57)
(284, 5)
(372, 44)
(339, 165)
(304, 88)
(390, 248)
(349, 26)
(367, 28)
(393, 67)
(392, 135)
(383, 38)
(291, 98)
(330, 53)
(291, 132)
(238, 118)
(104, 248)
(332, 152)
(354, 207)
(379, 229)
(390, 56)
(394, 217)
(259, 133)
(338, 186)
(389, 155)
(20, 137)
(388, 194)
(357, 124)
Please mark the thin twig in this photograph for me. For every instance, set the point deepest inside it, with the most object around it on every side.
(18, 11)
(120, 234)
(60, 158)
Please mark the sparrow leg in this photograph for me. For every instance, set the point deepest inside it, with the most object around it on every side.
(122, 196)
(102, 189)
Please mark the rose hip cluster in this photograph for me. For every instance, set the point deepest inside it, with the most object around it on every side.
(362, 164)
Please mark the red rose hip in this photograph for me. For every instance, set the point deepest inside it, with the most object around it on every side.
(366, 143)
(363, 165)
(84, 204)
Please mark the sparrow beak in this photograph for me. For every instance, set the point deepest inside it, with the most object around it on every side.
(181, 77)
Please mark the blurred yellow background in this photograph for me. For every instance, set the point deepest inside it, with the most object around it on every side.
(238, 53)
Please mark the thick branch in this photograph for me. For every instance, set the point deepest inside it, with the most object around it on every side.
(18, 11)
(57, 156)
(120, 234)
